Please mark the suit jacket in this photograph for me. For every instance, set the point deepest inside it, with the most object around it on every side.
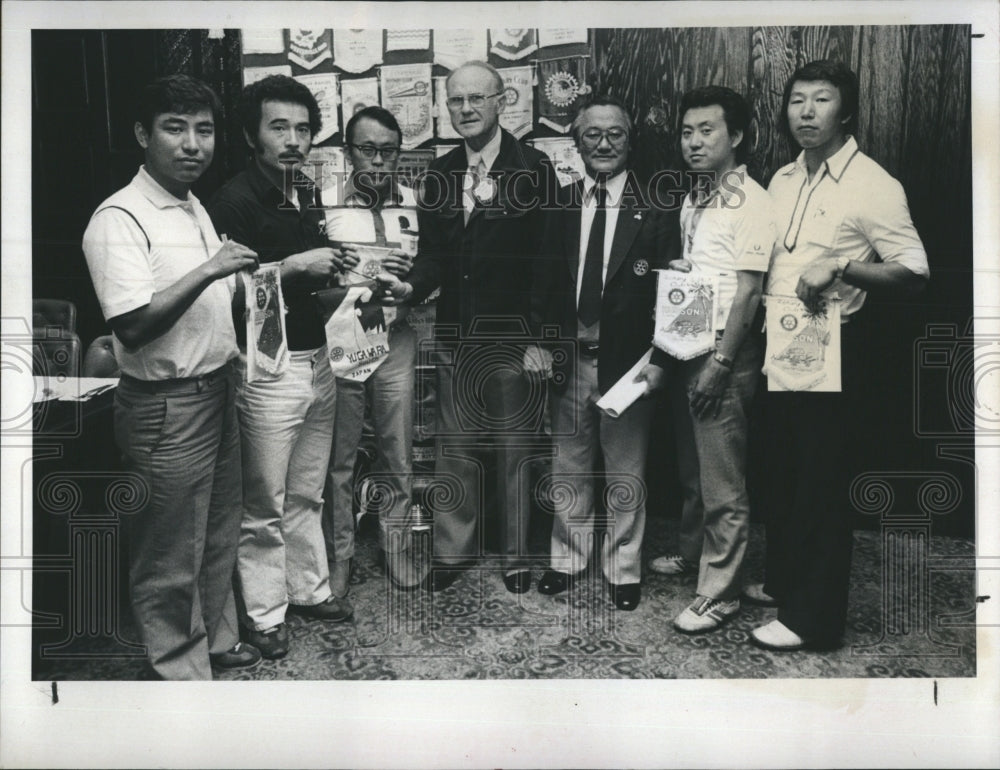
(485, 268)
(645, 239)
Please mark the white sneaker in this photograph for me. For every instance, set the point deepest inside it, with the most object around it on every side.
(754, 593)
(705, 614)
(672, 564)
(778, 637)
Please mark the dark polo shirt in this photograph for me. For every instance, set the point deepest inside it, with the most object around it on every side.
(248, 209)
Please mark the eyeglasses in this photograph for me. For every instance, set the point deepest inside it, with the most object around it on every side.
(592, 137)
(475, 100)
(370, 151)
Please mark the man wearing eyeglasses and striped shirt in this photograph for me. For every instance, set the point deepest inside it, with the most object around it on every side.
(374, 210)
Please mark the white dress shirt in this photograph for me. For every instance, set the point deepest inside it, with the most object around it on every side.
(851, 208)
(615, 186)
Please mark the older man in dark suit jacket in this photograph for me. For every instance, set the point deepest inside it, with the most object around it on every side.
(601, 291)
(482, 216)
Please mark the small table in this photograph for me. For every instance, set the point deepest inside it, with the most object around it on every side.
(80, 493)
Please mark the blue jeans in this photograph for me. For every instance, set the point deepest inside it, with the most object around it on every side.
(390, 391)
(286, 427)
(711, 459)
(182, 437)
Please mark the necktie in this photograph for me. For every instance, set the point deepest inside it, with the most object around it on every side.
(379, 222)
(474, 176)
(589, 308)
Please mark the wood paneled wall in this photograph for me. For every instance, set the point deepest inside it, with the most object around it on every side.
(914, 119)
(915, 101)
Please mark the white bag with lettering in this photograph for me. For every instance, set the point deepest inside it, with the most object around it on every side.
(357, 330)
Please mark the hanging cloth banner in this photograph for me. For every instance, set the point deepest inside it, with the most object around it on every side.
(407, 39)
(323, 86)
(357, 331)
(454, 47)
(803, 345)
(406, 93)
(357, 50)
(685, 313)
(445, 129)
(327, 167)
(518, 92)
(547, 37)
(262, 41)
(564, 155)
(513, 44)
(253, 74)
(355, 95)
(267, 346)
(562, 85)
(309, 47)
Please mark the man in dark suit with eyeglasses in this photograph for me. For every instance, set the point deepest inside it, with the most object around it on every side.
(482, 215)
(600, 290)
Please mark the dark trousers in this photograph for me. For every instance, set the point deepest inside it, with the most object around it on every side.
(487, 433)
(807, 514)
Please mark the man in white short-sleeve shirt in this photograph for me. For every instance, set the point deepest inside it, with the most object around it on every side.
(843, 228)
(727, 230)
(165, 284)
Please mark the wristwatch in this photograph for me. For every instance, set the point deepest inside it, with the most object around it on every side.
(842, 263)
(725, 361)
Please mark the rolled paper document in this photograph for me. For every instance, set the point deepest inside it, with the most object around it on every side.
(624, 393)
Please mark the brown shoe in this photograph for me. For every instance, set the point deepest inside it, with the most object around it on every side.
(333, 609)
(272, 642)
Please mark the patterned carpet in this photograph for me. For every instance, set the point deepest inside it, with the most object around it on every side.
(913, 619)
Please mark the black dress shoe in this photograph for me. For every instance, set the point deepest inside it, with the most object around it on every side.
(441, 577)
(333, 609)
(626, 596)
(518, 582)
(238, 656)
(553, 582)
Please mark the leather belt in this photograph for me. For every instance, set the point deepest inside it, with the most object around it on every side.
(179, 385)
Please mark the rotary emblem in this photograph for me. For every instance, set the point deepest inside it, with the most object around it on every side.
(336, 354)
(789, 322)
(640, 267)
(372, 268)
(676, 296)
(562, 88)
